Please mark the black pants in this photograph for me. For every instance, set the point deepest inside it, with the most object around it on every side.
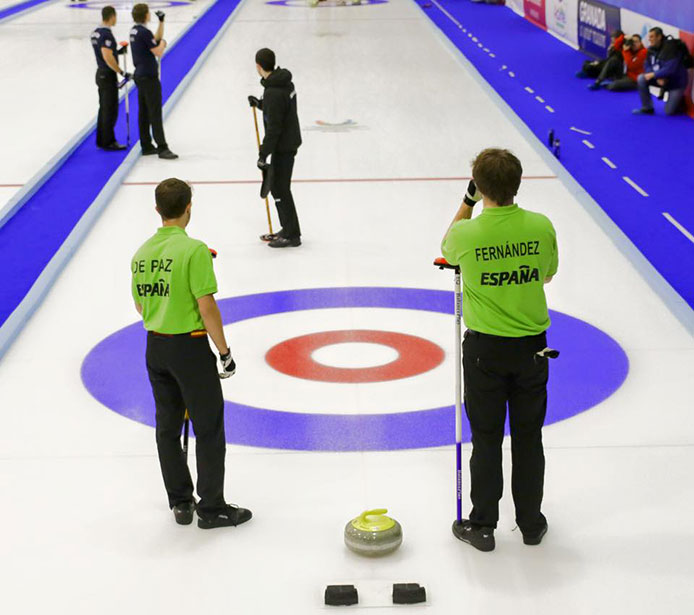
(107, 82)
(283, 165)
(501, 372)
(613, 68)
(149, 115)
(183, 374)
(623, 84)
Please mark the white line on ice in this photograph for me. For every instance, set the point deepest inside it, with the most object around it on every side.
(550, 109)
(588, 144)
(529, 90)
(609, 163)
(511, 74)
(635, 186)
(540, 99)
(583, 132)
(679, 227)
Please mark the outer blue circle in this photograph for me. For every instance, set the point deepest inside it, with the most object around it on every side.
(591, 367)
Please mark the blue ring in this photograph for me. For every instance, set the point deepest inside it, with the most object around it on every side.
(591, 368)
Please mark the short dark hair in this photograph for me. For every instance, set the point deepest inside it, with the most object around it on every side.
(497, 173)
(172, 197)
(139, 13)
(107, 12)
(658, 31)
(265, 58)
(636, 36)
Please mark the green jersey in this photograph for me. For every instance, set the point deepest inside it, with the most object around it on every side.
(170, 272)
(504, 254)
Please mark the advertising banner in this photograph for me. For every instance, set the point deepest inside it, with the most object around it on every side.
(634, 23)
(517, 6)
(535, 12)
(562, 19)
(595, 22)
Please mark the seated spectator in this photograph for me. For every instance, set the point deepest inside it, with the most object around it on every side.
(634, 54)
(611, 66)
(666, 66)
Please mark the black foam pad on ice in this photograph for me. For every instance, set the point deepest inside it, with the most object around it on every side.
(408, 593)
(341, 595)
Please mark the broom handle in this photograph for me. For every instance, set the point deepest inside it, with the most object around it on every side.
(257, 138)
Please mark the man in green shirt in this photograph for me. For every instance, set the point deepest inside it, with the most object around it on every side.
(173, 285)
(505, 255)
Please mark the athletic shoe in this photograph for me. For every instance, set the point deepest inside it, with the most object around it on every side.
(482, 538)
(535, 539)
(595, 86)
(285, 242)
(114, 147)
(167, 154)
(581, 74)
(643, 111)
(148, 151)
(232, 515)
(183, 512)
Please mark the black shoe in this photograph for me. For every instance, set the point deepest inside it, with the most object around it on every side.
(232, 515)
(535, 539)
(644, 111)
(285, 242)
(149, 151)
(114, 147)
(482, 538)
(167, 154)
(183, 512)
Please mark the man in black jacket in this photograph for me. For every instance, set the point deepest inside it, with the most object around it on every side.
(281, 142)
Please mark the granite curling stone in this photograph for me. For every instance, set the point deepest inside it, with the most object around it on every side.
(373, 533)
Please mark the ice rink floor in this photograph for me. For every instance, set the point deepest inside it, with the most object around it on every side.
(84, 526)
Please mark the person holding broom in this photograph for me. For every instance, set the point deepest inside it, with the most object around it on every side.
(281, 142)
(173, 287)
(505, 254)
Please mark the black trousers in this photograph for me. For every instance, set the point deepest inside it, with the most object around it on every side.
(498, 373)
(612, 69)
(183, 373)
(149, 115)
(107, 83)
(283, 165)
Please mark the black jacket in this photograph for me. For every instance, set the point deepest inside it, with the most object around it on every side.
(282, 133)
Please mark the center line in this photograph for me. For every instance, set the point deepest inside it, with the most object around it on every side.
(635, 186)
(679, 227)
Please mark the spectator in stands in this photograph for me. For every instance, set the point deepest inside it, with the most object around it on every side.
(611, 66)
(666, 66)
(634, 54)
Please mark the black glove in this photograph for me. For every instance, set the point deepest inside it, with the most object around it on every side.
(228, 365)
(254, 102)
(262, 164)
(160, 14)
(473, 195)
(123, 49)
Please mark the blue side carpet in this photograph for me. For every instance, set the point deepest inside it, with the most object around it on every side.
(655, 152)
(36, 232)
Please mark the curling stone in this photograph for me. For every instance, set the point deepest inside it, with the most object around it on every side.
(373, 534)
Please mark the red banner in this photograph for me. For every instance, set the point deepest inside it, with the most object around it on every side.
(535, 12)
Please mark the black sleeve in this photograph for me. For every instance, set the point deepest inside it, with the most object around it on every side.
(274, 109)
